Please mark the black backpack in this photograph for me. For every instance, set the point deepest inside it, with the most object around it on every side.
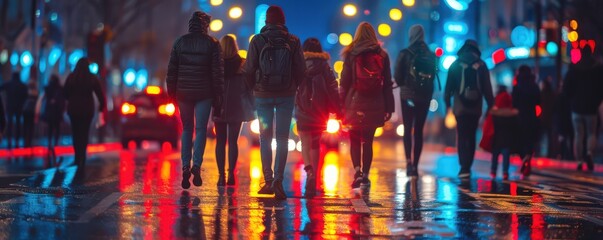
(313, 93)
(470, 92)
(275, 64)
(423, 73)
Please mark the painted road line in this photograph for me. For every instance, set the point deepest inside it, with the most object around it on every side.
(102, 206)
(360, 206)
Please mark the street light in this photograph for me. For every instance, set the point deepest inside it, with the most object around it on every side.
(395, 14)
(235, 12)
(350, 10)
(216, 25)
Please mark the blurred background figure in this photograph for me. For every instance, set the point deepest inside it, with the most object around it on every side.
(548, 98)
(29, 112)
(16, 94)
(583, 88)
(53, 107)
(2, 119)
(526, 96)
(237, 108)
(80, 87)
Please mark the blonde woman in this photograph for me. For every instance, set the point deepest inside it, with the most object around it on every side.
(366, 89)
(237, 108)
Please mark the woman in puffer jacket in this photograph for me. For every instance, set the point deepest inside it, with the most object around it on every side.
(316, 97)
(366, 89)
(237, 108)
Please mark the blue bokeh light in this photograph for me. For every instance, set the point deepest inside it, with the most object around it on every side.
(93, 67)
(142, 79)
(129, 77)
(26, 59)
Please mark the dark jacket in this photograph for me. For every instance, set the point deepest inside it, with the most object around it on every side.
(2, 118)
(196, 68)
(363, 111)
(583, 87)
(53, 103)
(298, 67)
(402, 71)
(526, 96)
(237, 103)
(16, 95)
(78, 93)
(315, 119)
(506, 129)
(468, 55)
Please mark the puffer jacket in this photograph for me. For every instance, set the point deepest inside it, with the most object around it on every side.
(298, 67)
(469, 55)
(315, 118)
(365, 112)
(196, 68)
(237, 103)
(402, 71)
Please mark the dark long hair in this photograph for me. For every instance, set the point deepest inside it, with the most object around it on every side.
(312, 45)
(81, 71)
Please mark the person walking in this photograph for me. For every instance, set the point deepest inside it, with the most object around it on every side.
(548, 97)
(80, 87)
(276, 58)
(366, 89)
(316, 98)
(237, 108)
(16, 95)
(415, 73)
(506, 125)
(583, 88)
(53, 107)
(195, 80)
(526, 97)
(468, 84)
(29, 113)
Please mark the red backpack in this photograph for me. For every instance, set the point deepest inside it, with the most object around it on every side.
(369, 73)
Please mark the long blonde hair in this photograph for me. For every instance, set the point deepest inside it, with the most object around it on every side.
(365, 35)
(229, 46)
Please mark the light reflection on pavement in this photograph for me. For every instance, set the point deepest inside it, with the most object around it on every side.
(128, 194)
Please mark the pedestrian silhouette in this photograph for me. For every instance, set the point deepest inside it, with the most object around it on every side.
(16, 94)
(526, 97)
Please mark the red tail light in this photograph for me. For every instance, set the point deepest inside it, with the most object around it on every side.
(167, 109)
(127, 109)
(332, 126)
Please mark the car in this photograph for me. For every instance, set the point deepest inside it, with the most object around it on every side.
(149, 115)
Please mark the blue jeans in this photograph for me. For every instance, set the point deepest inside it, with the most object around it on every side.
(268, 109)
(585, 127)
(194, 114)
(506, 153)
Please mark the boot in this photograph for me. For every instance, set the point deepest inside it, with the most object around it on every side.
(186, 175)
(196, 171)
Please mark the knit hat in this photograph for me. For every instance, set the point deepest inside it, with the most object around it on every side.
(417, 34)
(275, 15)
(199, 22)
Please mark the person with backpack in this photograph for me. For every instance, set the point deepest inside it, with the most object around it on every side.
(526, 97)
(275, 68)
(415, 73)
(468, 83)
(316, 98)
(237, 108)
(506, 125)
(53, 107)
(16, 95)
(366, 89)
(195, 80)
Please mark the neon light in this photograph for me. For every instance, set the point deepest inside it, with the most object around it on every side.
(552, 48)
(14, 59)
(498, 56)
(450, 44)
(129, 77)
(26, 59)
(456, 28)
(260, 17)
(576, 55)
(439, 52)
(518, 53)
(447, 61)
(521, 36)
(75, 56)
(93, 67)
(142, 78)
(458, 5)
(54, 56)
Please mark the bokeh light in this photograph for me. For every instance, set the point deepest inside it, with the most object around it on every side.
(216, 25)
(350, 10)
(216, 2)
(129, 77)
(93, 67)
(379, 132)
(408, 3)
(3, 56)
(572, 36)
(332, 38)
(400, 130)
(235, 12)
(384, 29)
(395, 14)
(243, 53)
(26, 59)
(338, 66)
(345, 39)
(552, 48)
(574, 24)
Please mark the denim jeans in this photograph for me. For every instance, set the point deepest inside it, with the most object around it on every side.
(506, 153)
(585, 127)
(269, 109)
(466, 130)
(194, 114)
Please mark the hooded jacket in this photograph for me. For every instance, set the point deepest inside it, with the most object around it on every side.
(315, 119)
(237, 102)
(196, 67)
(298, 67)
(363, 111)
(468, 54)
(403, 67)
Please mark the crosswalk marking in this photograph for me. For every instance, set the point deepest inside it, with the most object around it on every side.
(102, 206)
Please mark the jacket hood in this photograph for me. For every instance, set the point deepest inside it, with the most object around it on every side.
(232, 65)
(365, 47)
(469, 52)
(321, 55)
(199, 22)
(417, 34)
(316, 66)
(274, 29)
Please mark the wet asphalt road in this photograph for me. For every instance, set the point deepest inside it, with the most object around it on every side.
(137, 194)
